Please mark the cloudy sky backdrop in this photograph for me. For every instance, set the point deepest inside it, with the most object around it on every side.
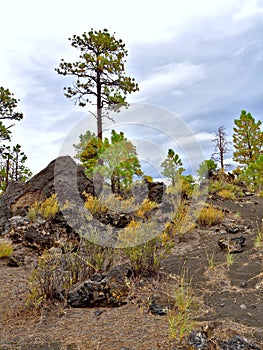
(197, 63)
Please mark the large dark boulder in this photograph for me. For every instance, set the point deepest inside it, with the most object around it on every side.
(62, 176)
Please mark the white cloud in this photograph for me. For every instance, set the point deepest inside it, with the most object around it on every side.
(249, 9)
(171, 78)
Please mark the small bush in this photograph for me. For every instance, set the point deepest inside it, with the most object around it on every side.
(32, 213)
(119, 204)
(6, 248)
(217, 187)
(210, 216)
(97, 257)
(183, 222)
(47, 209)
(94, 205)
(142, 249)
(54, 275)
(227, 194)
(145, 208)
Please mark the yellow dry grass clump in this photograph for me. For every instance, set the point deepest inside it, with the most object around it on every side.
(6, 248)
(210, 216)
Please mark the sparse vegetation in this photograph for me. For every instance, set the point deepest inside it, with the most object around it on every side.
(180, 318)
(258, 243)
(230, 258)
(146, 208)
(32, 213)
(183, 222)
(143, 250)
(53, 276)
(225, 190)
(6, 248)
(47, 209)
(227, 194)
(210, 216)
(210, 260)
(94, 205)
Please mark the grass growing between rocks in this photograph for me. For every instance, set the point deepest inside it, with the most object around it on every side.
(210, 260)
(181, 317)
(6, 248)
(47, 209)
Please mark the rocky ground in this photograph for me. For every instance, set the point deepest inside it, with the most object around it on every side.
(228, 315)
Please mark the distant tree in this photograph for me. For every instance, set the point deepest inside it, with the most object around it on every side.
(206, 168)
(253, 174)
(8, 104)
(221, 147)
(99, 73)
(12, 166)
(119, 161)
(247, 139)
(172, 166)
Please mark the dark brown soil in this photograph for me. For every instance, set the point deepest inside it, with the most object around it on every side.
(229, 298)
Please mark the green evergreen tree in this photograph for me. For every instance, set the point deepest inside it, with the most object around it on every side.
(253, 174)
(172, 166)
(12, 166)
(115, 160)
(247, 139)
(206, 168)
(8, 105)
(99, 73)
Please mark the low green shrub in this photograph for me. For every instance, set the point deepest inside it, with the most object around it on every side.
(225, 189)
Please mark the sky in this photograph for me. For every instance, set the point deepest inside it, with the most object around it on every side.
(197, 63)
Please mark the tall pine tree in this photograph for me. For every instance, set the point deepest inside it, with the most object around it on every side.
(247, 139)
(99, 73)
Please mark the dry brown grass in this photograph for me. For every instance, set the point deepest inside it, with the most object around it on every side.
(210, 216)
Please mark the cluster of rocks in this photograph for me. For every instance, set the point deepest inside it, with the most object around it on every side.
(234, 244)
(102, 289)
(200, 340)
